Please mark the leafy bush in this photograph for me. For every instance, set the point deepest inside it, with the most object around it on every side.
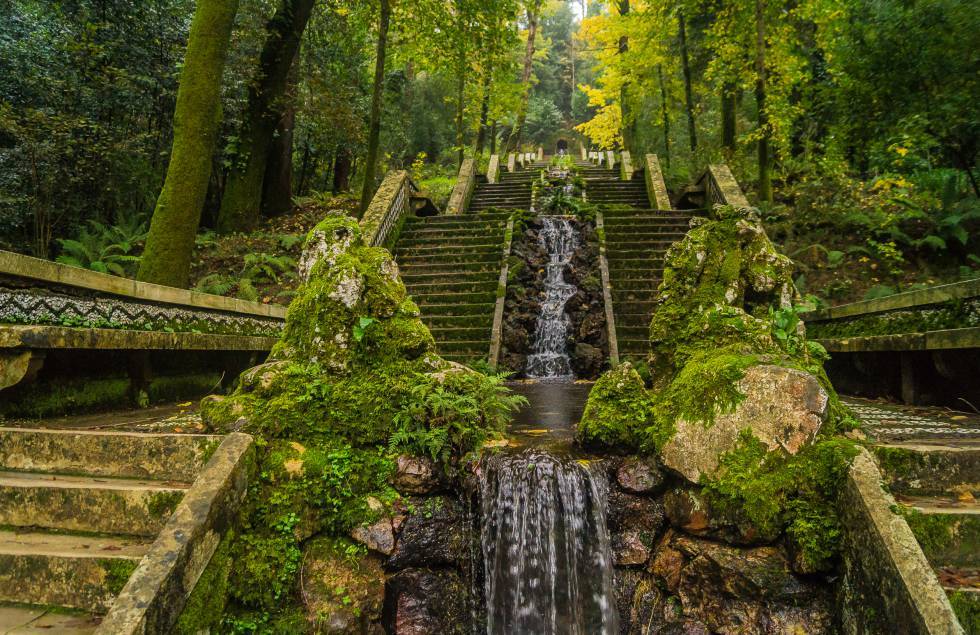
(106, 248)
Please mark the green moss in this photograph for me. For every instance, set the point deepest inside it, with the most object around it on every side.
(162, 504)
(72, 397)
(203, 610)
(117, 572)
(705, 387)
(966, 605)
(780, 492)
(618, 411)
(354, 382)
(899, 462)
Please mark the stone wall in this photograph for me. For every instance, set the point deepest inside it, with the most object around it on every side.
(463, 190)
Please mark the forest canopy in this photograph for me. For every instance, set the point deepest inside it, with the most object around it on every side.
(839, 117)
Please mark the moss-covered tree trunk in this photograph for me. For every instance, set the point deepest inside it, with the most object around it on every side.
(514, 142)
(688, 97)
(765, 168)
(266, 104)
(169, 246)
(374, 127)
(481, 135)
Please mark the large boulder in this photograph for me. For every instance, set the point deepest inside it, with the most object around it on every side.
(743, 590)
(341, 594)
(427, 602)
(690, 511)
(415, 475)
(783, 407)
(640, 475)
(635, 522)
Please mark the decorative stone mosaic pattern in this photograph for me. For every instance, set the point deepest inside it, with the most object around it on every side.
(40, 306)
(895, 422)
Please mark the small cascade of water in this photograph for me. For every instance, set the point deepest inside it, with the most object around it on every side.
(546, 552)
(550, 360)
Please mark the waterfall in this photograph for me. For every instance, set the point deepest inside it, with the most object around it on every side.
(546, 553)
(550, 359)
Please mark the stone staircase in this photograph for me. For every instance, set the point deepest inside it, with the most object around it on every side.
(78, 510)
(451, 268)
(610, 190)
(936, 481)
(513, 191)
(636, 241)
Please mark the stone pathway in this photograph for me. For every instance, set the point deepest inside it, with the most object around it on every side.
(883, 422)
(176, 418)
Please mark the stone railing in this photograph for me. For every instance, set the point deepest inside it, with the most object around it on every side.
(493, 169)
(656, 187)
(585, 154)
(610, 159)
(887, 584)
(496, 330)
(463, 190)
(540, 153)
(388, 209)
(721, 188)
(511, 162)
(625, 166)
(607, 299)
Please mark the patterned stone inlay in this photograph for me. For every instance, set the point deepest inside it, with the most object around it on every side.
(42, 307)
(891, 421)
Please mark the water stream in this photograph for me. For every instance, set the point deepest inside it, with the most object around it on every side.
(549, 358)
(546, 552)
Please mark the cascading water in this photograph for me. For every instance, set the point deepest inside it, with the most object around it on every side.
(546, 552)
(550, 359)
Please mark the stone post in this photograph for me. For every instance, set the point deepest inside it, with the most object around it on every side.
(656, 188)
(510, 162)
(611, 159)
(625, 166)
(540, 153)
(493, 170)
(463, 189)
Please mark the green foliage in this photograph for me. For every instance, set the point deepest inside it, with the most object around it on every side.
(105, 248)
(779, 492)
(257, 268)
(967, 608)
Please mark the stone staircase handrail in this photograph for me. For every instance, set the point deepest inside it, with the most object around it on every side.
(390, 205)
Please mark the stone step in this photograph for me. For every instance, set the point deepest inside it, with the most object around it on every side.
(452, 219)
(461, 334)
(629, 273)
(632, 295)
(627, 332)
(475, 238)
(647, 212)
(85, 503)
(634, 308)
(440, 231)
(411, 279)
(633, 346)
(24, 620)
(487, 266)
(948, 530)
(440, 322)
(448, 249)
(431, 288)
(484, 258)
(622, 255)
(619, 234)
(455, 299)
(453, 309)
(929, 469)
(80, 572)
(637, 245)
(165, 457)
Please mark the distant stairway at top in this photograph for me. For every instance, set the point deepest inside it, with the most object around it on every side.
(512, 192)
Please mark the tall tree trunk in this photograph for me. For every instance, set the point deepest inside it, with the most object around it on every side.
(728, 132)
(493, 137)
(481, 136)
(765, 169)
(665, 114)
(374, 128)
(342, 171)
(243, 194)
(689, 100)
(628, 118)
(277, 186)
(460, 108)
(514, 143)
(304, 170)
(170, 244)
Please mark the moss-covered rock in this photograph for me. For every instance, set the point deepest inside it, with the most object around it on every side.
(737, 396)
(353, 383)
(343, 588)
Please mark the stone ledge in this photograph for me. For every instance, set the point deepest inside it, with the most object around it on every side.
(64, 337)
(656, 188)
(921, 297)
(929, 341)
(887, 580)
(152, 600)
(19, 266)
